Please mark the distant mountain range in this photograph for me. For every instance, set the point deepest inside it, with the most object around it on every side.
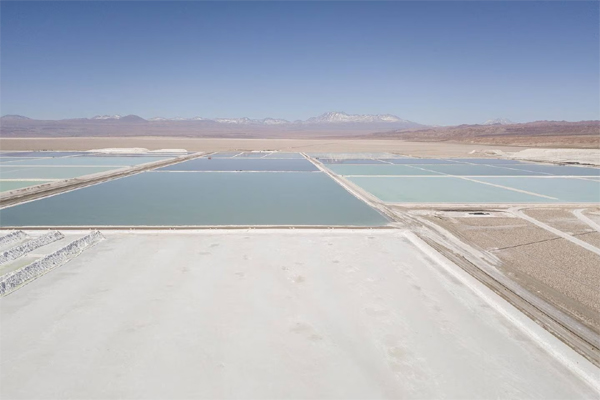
(335, 117)
(331, 124)
(341, 118)
(14, 118)
(328, 125)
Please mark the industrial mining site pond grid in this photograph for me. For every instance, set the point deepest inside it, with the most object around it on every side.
(274, 188)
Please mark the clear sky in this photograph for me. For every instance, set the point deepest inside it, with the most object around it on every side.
(431, 62)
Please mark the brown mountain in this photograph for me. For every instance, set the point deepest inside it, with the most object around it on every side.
(583, 134)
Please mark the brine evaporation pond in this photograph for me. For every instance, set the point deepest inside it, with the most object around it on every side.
(470, 181)
(242, 164)
(201, 198)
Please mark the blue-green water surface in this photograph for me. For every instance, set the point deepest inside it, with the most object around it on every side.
(201, 198)
(242, 164)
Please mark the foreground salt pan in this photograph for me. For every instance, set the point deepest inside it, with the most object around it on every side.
(256, 314)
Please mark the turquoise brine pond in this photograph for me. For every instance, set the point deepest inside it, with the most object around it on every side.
(20, 172)
(440, 190)
(378, 169)
(278, 154)
(569, 190)
(202, 198)
(559, 170)
(487, 161)
(6, 186)
(352, 161)
(224, 154)
(241, 164)
(9, 160)
(43, 153)
(91, 160)
(477, 170)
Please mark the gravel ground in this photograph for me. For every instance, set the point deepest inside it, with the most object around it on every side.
(560, 219)
(570, 272)
(593, 214)
(555, 269)
(592, 238)
(494, 233)
(564, 220)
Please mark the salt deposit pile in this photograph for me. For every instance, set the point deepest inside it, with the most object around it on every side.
(14, 279)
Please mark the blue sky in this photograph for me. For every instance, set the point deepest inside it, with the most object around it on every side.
(431, 62)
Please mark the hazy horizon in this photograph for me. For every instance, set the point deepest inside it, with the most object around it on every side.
(189, 119)
(434, 63)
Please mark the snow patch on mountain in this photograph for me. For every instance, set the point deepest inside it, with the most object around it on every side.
(498, 121)
(274, 121)
(106, 117)
(335, 117)
(237, 121)
(342, 117)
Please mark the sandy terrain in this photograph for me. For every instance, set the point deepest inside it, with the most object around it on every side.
(421, 149)
(343, 314)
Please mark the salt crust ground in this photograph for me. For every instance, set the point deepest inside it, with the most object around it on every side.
(581, 156)
(273, 313)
